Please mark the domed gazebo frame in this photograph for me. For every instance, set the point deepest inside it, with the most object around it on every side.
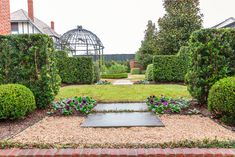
(81, 42)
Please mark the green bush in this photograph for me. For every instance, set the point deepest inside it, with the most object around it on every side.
(96, 73)
(30, 60)
(61, 55)
(171, 68)
(114, 76)
(117, 69)
(135, 71)
(76, 70)
(15, 101)
(212, 58)
(149, 73)
(221, 99)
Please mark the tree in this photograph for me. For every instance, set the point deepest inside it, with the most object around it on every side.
(148, 46)
(181, 19)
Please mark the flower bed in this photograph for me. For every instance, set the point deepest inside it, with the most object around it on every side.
(162, 104)
(83, 105)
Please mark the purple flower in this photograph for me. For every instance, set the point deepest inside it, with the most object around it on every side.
(165, 103)
(67, 107)
(69, 101)
(81, 106)
(157, 104)
(84, 100)
(76, 103)
(151, 101)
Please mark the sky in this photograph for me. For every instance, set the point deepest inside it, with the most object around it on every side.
(119, 24)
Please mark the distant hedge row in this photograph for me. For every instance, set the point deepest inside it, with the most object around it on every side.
(30, 60)
(76, 70)
(170, 68)
(114, 76)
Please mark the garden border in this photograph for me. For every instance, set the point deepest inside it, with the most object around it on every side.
(180, 152)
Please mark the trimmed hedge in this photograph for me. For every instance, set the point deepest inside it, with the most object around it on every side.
(135, 71)
(76, 70)
(30, 60)
(171, 68)
(96, 73)
(15, 101)
(149, 73)
(221, 99)
(114, 76)
(212, 54)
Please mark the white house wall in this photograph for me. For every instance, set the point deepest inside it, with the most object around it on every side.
(26, 28)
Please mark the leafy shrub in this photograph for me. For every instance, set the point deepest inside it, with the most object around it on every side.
(117, 69)
(76, 70)
(163, 104)
(221, 99)
(105, 82)
(61, 55)
(15, 101)
(171, 68)
(67, 107)
(96, 73)
(135, 71)
(212, 57)
(114, 76)
(149, 73)
(30, 60)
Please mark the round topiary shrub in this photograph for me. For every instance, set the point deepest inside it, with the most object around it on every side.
(221, 99)
(15, 101)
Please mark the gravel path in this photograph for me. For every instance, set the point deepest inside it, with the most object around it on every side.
(66, 130)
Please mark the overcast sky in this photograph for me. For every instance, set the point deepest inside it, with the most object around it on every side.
(120, 24)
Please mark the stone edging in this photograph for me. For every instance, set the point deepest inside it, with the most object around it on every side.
(154, 152)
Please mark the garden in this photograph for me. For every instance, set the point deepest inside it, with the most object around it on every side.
(185, 98)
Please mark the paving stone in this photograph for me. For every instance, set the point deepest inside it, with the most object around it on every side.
(123, 82)
(121, 107)
(124, 119)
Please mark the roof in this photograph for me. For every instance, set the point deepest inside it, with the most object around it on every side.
(226, 23)
(22, 16)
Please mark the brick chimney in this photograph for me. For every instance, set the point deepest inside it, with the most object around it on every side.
(53, 25)
(5, 23)
(30, 10)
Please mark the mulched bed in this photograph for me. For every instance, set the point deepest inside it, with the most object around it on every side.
(10, 128)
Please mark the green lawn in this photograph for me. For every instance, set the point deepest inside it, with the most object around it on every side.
(134, 93)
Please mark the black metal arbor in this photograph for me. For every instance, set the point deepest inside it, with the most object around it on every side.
(81, 42)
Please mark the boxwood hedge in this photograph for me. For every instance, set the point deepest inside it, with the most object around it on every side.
(221, 99)
(30, 60)
(212, 53)
(114, 76)
(76, 70)
(171, 68)
(15, 101)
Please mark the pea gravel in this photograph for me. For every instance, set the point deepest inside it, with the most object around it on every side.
(67, 130)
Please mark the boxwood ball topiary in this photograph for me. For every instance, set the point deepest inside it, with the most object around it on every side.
(15, 101)
(221, 99)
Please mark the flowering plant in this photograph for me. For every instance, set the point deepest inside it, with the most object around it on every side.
(162, 104)
(82, 105)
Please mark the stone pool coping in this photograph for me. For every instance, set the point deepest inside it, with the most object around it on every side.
(151, 152)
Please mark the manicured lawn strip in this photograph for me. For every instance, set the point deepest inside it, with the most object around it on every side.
(131, 93)
(182, 144)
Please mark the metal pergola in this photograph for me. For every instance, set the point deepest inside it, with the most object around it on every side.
(81, 42)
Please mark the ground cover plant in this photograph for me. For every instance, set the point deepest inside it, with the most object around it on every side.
(103, 82)
(129, 93)
(163, 104)
(83, 105)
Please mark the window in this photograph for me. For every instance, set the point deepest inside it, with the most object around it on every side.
(14, 28)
